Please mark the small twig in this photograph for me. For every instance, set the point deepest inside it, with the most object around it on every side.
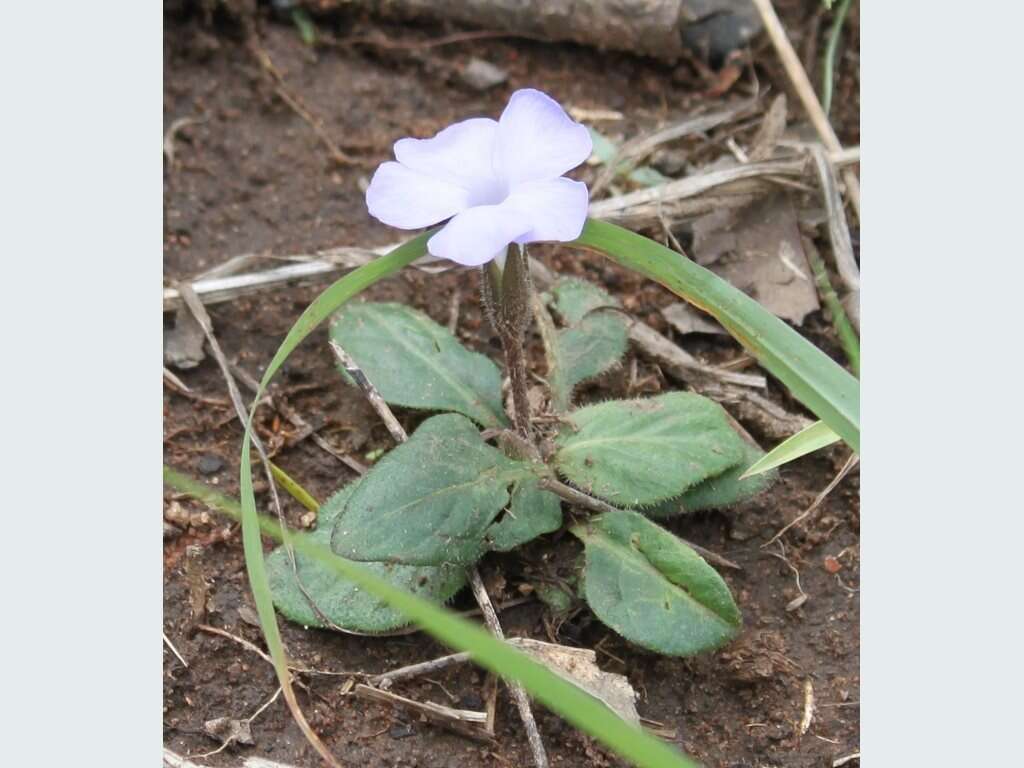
(277, 80)
(802, 598)
(266, 657)
(453, 311)
(691, 186)
(174, 760)
(458, 37)
(632, 152)
(169, 644)
(805, 721)
(235, 638)
(682, 364)
(838, 230)
(585, 500)
(386, 679)
(850, 464)
(176, 383)
(464, 722)
(218, 287)
(352, 368)
(841, 761)
(540, 757)
(172, 132)
(802, 85)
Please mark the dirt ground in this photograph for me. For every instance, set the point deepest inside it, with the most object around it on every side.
(252, 177)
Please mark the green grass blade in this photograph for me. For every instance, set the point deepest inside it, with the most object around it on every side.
(808, 439)
(296, 491)
(577, 707)
(321, 308)
(813, 378)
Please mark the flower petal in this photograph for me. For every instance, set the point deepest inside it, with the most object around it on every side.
(537, 140)
(403, 198)
(474, 236)
(556, 209)
(461, 154)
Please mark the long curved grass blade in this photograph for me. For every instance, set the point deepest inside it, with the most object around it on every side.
(814, 378)
(808, 439)
(577, 707)
(321, 308)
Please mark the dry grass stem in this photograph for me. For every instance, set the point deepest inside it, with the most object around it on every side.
(540, 756)
(802, 85)
(850, 464)
(371, 393)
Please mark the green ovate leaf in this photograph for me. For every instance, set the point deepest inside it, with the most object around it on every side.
(573, 299)
(809, 439)
(814, 379)
(583, 352)
(532, 512)
(592, 343)
(716, 492)
(341, 600)
(415, 363)
(430, 500)
(640, 452)
(653, 589)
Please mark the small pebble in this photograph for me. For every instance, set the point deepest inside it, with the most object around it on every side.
(210, 464)
(400, 731)
(481, 75)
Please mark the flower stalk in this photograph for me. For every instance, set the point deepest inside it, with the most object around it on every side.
(510, 316)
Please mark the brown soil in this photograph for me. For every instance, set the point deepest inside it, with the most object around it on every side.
(252, 177)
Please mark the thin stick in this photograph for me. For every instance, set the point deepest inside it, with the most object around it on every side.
(266, 657)
(692, 186)
(802, 85)
(218, 287)
(540, 757)
(386, 679)
(630, 153)
(174, 760)
(352, 368)
(850, 464)
(169, 644)
(682, 364)
(838, 231)
(465, 722)
(576, 496)
(277, 80)
(199, 311)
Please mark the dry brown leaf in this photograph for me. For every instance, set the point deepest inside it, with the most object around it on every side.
(579, 666)
(759, 250)
(771, 130)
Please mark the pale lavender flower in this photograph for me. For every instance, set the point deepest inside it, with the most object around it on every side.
(499, 182)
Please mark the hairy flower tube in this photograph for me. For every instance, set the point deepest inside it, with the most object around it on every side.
(496, 181)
